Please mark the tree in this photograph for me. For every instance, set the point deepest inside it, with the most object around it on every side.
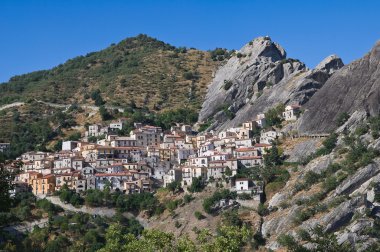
(174, 186)
(58, 145)
(273, 115)
(273, 157)
(197, 185)
(5, 187)
(228, 172)
(104, 113)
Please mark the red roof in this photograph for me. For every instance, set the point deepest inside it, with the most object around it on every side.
(250, 157)
(263, 145)
(113, 174)
(246, 149)
(48, 176)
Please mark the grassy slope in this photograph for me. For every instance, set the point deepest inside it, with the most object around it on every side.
(140, 68)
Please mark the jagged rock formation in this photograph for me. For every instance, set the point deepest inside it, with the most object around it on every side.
(258, 77)
(349, 219)
(354, 89)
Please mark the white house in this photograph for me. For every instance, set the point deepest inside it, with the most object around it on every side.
(268, 136)
(172, 175)
(242, 185)
(260, 120)
(291, 112)
(189, 173)
(69, 145)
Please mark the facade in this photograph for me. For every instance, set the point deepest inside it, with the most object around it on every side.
(291, 112)
(172, 175)
(43, 185)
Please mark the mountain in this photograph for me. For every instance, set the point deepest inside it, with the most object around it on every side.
(141, 69)
(258, 77)
(354, 89)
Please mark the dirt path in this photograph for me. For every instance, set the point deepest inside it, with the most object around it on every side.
(15, 104)
(102, 211)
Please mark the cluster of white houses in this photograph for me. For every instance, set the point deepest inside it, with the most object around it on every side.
(148, 158)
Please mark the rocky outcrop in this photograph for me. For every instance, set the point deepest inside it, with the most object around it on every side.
(258, 77)
(356, 180)
(342, 214)
(280, 224)
(302, 150)
(353, 88)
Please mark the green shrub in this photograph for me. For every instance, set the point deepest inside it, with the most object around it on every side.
(199, 215)
(187, 198)
(244, 196)
(216, 197)
(342, 118)
(262, 210)
(227, 84)
(197, 185)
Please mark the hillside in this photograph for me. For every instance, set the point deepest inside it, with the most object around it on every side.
(141, 69)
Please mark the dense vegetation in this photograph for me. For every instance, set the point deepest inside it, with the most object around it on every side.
(70, 232)
(155, 74)
(273, 116)
(122, 202)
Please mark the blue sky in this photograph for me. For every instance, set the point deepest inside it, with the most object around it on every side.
(37, 34)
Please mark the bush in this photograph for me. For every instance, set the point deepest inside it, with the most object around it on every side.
(197, 185)
(172, 205)
(273, 187)
(274, 115)
(374, 124)
(244, 196)
(227, 84)
(342, 118)
(310, 179)
(174, 186)
(231, 218)
(330, 183)
(262, 210)
(187, 198)
(208, 203)
(190, 76)
(199, 215)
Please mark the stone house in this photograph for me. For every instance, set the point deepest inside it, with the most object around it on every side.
(291, 112)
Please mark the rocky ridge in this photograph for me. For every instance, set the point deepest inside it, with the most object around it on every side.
(258, 77)
(354, 89)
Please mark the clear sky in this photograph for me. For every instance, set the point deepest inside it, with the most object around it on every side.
(37, 34)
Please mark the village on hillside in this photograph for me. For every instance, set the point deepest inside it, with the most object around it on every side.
(150, 158)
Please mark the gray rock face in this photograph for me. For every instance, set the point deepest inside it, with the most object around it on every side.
(279, 224)
(302, 150)
(355, 87)
(261, 78)
(356, 180)
(330, 64)
(341, 215)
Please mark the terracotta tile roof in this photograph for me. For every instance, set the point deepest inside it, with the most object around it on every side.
(249, 157)
(113, 174)
(246, 149)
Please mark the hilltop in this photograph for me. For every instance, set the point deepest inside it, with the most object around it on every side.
(139, 69)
